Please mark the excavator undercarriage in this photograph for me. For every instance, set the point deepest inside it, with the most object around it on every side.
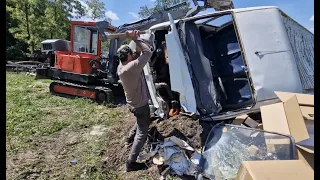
(99, 94)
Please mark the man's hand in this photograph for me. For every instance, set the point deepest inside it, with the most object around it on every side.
(133, 34)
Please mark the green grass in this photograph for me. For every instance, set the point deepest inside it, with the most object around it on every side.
(34, 115)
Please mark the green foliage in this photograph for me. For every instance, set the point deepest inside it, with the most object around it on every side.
(15, 53)
(28, 22)
(96, 8)
(145, 11)
(15, 49)
(160, 5)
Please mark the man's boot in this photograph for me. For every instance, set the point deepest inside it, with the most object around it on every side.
(134, 166)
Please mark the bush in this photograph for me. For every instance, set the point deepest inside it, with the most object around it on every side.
(15, 53)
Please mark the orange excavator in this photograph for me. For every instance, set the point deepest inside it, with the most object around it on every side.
(78, 67)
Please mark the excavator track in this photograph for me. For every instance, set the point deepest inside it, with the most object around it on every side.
(99, 94)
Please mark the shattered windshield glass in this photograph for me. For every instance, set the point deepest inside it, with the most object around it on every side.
(228, 145)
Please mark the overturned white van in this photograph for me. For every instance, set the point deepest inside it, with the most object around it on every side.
(226, 63)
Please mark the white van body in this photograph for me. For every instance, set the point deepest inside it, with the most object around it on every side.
(277, 55)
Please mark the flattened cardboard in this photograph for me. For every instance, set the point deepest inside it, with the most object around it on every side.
(308, 142)
(275, 170)
(274, 118)
(295, 120)
(300, 125)
(251, 123)
(303, 99)
(307, 112)
(306, 155)
(285, 118)
(239, 120)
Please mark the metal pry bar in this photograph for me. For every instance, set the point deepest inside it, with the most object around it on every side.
(103, 25)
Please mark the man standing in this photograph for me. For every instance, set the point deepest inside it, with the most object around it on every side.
(131, 76)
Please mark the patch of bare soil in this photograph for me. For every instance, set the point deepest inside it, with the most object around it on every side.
(116, 154)
(190, 130)
(48, 158)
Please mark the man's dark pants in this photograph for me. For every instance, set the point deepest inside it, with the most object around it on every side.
(140, 130)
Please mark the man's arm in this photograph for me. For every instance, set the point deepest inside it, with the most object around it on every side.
(146, 54)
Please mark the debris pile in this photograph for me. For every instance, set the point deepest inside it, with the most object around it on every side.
(191, 131)
(176, 146)
(194, 132)
(174, 154)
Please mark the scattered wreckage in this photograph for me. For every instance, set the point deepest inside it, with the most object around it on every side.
(230, 147)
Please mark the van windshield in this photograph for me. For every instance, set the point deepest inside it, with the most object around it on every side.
(227, 146)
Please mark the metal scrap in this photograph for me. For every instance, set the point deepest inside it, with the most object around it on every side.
(172, 152)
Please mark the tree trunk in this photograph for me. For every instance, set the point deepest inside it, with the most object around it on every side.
(32, 46)
(26, 6)
(54, 17)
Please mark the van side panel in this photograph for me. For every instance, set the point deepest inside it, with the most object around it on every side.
(268, 52)
(302, 43)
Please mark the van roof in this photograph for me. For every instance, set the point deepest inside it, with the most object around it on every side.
(167, 23)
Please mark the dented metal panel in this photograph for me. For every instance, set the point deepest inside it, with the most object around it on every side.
(268, 52)
(302, 43)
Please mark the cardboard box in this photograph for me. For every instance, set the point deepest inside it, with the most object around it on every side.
(251, 123)
(275, 170)
(239, 120)
(305, 154)
(246, 120)
(294, 116)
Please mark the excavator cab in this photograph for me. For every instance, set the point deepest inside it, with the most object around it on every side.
(83, 56)
(85, 46)
(75, 65)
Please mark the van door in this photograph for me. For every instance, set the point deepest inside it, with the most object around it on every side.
(179, 74)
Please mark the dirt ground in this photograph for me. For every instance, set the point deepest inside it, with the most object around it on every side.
(182, 127)
(52, 155)
(52, 152)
